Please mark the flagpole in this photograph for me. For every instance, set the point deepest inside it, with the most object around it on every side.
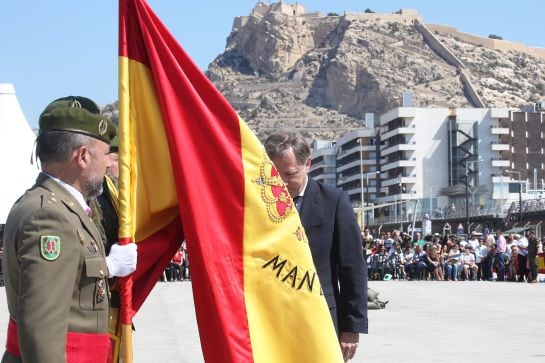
(126, 230)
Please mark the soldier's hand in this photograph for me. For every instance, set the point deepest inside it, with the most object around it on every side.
(349, 344)
(122, 260)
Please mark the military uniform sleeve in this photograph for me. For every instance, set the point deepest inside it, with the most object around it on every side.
(46, 285)
(352, 269)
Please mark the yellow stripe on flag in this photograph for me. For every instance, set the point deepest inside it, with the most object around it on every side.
(293, 301)
(157, 204)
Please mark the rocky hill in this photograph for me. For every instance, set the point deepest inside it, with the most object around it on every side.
(284, 68)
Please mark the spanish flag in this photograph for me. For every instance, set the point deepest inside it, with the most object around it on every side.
(191, 168)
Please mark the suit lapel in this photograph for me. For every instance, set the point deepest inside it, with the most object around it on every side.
(310, 203)
(71, 204)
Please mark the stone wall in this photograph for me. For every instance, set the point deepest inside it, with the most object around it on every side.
(437, 46)
(406, 17)
(261, 9)
(503, 45)
(470, 90)
(446, 54)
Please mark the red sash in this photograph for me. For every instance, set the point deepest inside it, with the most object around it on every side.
(80, 347)
(12, 343)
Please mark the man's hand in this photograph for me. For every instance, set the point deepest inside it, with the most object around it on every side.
(349, 344)
(122, 260)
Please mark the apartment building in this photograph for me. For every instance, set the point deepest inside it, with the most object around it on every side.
(358, 165)
(521, 160)
(414, 155)
(324, 161)
(426, 150)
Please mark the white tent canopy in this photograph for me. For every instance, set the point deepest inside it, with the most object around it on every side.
(16, 144)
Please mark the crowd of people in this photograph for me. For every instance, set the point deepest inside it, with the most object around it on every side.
(486, 257)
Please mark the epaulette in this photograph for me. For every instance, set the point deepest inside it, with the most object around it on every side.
(51, 199)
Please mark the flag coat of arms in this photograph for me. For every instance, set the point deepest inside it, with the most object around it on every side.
(191, 168)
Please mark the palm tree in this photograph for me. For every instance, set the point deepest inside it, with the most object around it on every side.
(459, 191)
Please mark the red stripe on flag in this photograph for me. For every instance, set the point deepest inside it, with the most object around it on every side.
(154, 254)
(131, 46)
(204, 141)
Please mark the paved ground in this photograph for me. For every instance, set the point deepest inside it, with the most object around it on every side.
(423, 322)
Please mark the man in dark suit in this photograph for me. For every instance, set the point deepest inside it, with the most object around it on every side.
(333, 234)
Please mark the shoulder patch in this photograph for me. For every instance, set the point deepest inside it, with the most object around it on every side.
(50, 247)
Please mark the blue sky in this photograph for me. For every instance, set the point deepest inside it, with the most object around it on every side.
(54, 48)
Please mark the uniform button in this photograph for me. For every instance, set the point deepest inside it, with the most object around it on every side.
(101, 273)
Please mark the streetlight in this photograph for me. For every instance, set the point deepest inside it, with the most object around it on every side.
(360, 141)
(520, 192)
(467, 194)
(400, 203)
(367, 191)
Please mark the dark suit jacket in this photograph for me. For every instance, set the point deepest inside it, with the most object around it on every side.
(335, 243)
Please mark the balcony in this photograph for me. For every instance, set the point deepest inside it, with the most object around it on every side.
(348, 179)
(354, 163)
(405, 112)
(398, 131)
(356, 149)
(398, 147)
(399, 164)
(404, 180)
(500, 163)
(357, 191)
(499, 112)
(496, 130)
(499, 146)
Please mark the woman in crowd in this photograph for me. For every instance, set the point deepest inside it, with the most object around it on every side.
(434, 264)
(453, 263)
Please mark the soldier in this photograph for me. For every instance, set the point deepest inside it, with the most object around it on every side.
(105, 206)
(56, 267)
(532, 256)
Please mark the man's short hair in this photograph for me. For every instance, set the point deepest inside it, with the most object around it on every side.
(278, 143)
(57, 146)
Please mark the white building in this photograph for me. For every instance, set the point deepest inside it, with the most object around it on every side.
(426, 149)
(414, 153)
(323, 163)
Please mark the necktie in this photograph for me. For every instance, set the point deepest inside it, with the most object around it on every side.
(297, 202)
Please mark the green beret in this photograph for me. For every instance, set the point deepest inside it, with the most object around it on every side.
(114, 144)
(73, 101)
(77, 114)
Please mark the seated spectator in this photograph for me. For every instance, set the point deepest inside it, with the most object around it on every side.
(434, 264)
(379, 262)
(174, 268)
(418, 265)
(487, 257)
(453, 264)
(396, 262)
(469, 267)
(463, 243)
(408, 254)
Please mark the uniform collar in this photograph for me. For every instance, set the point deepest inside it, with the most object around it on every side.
(73, 191)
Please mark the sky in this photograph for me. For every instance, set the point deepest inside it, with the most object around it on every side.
(56, 48)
